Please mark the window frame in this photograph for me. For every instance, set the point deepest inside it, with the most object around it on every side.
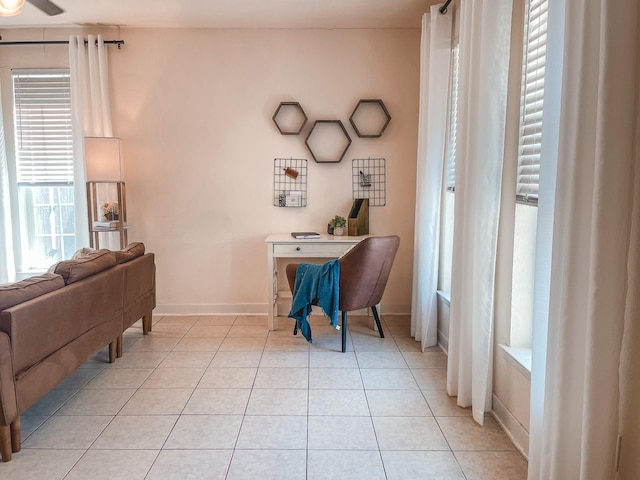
(531, 101)
(41, 241)
(527, 179)
(448, 182)
(452, 129)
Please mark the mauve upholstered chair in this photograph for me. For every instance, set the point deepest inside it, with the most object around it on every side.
(364, 271)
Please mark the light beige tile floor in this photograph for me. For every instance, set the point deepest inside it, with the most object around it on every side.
(221, 397)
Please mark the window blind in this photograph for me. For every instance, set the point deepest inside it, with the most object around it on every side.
(534, 56)
(450, 168)
(42, 110)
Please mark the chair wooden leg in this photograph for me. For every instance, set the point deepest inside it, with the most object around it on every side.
(344, 332)
(377, 319)
(16, 439)
(5, 443)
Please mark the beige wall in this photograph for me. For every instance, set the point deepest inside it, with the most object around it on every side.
(194, 108)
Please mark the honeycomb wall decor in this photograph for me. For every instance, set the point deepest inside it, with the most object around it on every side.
(370, 118)
(290, 118)
(328, 141)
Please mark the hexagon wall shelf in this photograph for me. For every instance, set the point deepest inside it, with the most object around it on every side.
(328, 141)
(370, 118)
(290, 118)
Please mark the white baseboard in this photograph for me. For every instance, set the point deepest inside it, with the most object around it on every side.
(395, 309)
(443, 342)
(514, 429)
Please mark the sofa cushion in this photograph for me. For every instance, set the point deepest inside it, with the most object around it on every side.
(75, 270)
(131, 251)
(14, 293)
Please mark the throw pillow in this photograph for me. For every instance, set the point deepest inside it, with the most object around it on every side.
(128, 253)
(75, 270)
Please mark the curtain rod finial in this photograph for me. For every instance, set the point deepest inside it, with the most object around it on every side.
(443, 8)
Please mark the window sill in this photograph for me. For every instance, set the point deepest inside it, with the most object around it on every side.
(520, 358)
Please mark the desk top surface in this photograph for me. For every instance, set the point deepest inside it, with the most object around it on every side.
(324, 238)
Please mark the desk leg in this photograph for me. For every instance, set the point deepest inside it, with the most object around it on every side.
(271, 294)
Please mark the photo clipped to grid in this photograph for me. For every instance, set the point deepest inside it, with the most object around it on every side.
(289, 182)
(369, 180)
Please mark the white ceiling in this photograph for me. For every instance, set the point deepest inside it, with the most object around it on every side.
(229, 13)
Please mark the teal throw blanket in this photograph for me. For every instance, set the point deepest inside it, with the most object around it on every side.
(316, 284)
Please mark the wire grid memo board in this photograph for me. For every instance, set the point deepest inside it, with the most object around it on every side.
(369, 180)
(289, 182)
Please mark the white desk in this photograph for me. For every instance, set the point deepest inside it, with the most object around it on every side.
(283, 245)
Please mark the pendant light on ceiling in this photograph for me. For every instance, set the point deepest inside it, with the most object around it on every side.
(9, 8)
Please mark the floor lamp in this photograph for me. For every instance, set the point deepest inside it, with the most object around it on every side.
(106, 193)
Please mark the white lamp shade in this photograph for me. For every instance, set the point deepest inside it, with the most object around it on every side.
(103, 159)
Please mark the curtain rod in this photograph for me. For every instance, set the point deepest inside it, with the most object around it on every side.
(443, 8)
(119, 43)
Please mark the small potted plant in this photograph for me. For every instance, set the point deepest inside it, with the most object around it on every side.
(338, 225)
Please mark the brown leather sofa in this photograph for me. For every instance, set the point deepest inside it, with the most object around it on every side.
(51, 324)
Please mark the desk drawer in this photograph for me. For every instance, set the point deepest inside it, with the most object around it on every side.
(310, 249)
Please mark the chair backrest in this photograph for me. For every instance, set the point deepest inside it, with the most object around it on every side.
(364, 271)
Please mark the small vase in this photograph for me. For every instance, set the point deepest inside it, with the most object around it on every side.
(339, 231)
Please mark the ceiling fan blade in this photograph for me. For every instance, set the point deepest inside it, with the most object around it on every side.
(46, 6)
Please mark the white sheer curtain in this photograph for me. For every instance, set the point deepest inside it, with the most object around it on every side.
(546, 207)
(7, 264)
(435, 63)
(485, 32)
(630, 355)
(91, 113)
(574, 430)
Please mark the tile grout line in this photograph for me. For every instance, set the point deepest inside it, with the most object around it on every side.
(286, 362)
(179, 415)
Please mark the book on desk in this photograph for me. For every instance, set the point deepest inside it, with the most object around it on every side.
(303, 235)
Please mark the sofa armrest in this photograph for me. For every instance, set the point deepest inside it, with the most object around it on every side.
(8, 404)
(139, 289)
